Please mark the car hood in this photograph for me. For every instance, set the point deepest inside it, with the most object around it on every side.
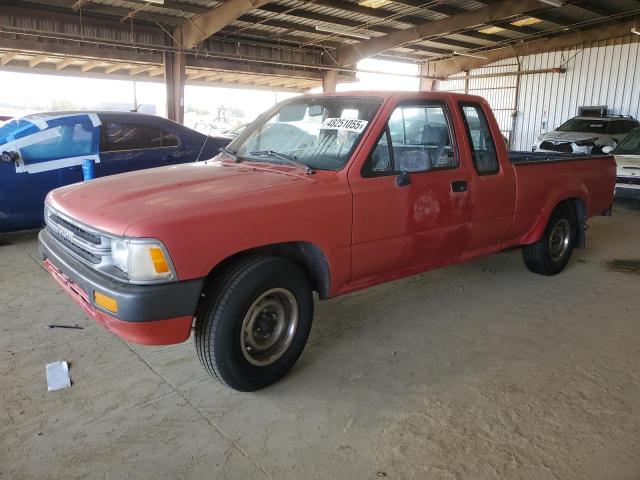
(557, 136)
(628, 165)
(112, 204)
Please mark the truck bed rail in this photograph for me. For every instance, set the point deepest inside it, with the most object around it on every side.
(526, 158)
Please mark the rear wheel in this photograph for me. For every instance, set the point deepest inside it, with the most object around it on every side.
(255, 323)
(552, 252)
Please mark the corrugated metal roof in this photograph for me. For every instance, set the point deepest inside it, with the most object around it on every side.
(293, 22)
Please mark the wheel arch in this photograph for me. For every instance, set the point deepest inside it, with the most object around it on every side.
(308, 256)
(579, 206)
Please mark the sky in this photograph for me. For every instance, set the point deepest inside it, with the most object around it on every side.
(214, 106)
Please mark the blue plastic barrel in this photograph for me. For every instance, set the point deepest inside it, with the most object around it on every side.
(89, 169)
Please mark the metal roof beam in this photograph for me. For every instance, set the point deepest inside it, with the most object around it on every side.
(111, 10)
(115, 68)
(156, 72)
(595, 9)
(578, 38)
(348, 55)
(200, 27)
(87, 67)
(7, 57)
(321, 17)
(64, 63)
(37, 60)
(69, 50)
(79, 4)
(140, 69)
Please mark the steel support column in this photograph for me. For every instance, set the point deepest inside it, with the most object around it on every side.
(174, 75)
(329, 81)
(427, 84)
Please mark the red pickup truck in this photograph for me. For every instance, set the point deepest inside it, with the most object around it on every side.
(325, 193)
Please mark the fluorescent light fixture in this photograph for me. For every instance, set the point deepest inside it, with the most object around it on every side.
(490, 30)
(553, 3)
(472, 55)
(523, 22)
(635, 30)
(374, 3)
(346, 33)
(157, 2)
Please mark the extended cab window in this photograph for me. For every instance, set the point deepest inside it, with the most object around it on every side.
(416, 139)
(118, 136)
(483, 149)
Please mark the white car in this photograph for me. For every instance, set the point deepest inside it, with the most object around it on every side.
(585, 135)
(627, 156)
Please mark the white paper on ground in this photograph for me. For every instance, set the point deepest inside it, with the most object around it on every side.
(58, 376)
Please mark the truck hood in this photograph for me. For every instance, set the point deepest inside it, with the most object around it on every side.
(557, 136)
(112, 204)
(628, 165)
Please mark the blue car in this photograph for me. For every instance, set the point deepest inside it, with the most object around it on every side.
(45, 151)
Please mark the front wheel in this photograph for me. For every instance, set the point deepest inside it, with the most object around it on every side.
(552, 252)
(255, 323)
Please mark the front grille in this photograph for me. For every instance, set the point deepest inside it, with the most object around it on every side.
(628, 180)
(77, 239)
(81, 232)
(82, 252)
(564, 147)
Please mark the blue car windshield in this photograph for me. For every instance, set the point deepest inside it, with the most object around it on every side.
(16, 129)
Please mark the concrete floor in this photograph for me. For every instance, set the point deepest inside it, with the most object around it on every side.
(475, 371)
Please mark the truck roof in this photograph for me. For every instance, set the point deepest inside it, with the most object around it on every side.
(397, 93)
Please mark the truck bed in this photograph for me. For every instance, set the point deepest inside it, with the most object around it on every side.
(524, 157)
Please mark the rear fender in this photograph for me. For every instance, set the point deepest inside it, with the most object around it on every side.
(537, 231)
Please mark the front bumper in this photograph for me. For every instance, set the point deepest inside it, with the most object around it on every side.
(148, 314)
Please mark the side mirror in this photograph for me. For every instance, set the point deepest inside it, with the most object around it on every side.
(403, 179)
(9, 157)
(607, 150)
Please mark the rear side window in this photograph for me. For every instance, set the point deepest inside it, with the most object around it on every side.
(118, 136)
(416, 139)
(483, 149)
(169, 139)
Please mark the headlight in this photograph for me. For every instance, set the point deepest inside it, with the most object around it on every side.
(143, 260)
(120, 254)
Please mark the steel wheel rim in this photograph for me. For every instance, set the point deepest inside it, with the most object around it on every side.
(269, 326)
(559, 240)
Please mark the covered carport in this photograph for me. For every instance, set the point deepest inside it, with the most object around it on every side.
(473, 371)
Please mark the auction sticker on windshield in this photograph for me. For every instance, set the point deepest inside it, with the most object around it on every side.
(348, 124)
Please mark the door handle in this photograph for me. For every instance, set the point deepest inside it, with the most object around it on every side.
(173, 156)
(459, 186)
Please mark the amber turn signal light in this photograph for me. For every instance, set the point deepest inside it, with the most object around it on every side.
(108, 303)
(159, 262)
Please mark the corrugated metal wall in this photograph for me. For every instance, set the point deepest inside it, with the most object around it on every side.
(604, 73)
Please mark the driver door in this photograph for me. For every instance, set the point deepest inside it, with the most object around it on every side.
(411, 201)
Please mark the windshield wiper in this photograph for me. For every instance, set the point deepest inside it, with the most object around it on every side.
(231, 153)
(287, 158)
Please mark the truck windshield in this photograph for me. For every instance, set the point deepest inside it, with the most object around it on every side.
(630, 145)
(320, 132)
(583, 125)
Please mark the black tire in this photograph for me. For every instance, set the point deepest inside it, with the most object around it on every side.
(221, 341)
(546, 256)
